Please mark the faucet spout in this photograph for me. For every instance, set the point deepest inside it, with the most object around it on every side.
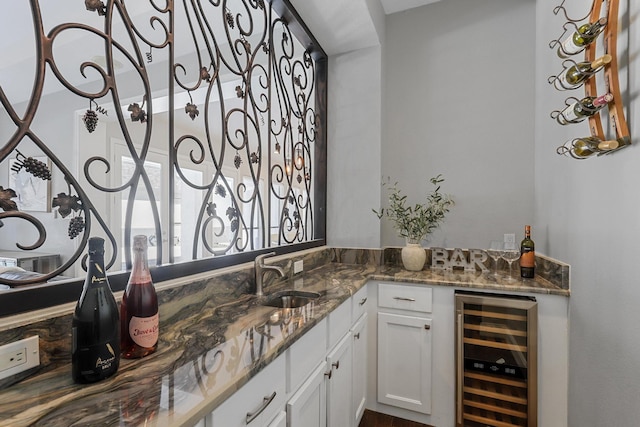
(261, 268)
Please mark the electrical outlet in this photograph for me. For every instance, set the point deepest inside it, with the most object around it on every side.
(509, 238)
(298, 266)
(19, 356)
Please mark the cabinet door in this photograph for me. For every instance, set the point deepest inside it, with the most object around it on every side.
(339, 394)
(279, 421)
(404, 362)
(359, 334)
(308, 406)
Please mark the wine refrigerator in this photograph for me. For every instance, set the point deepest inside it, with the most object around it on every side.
(496, 354)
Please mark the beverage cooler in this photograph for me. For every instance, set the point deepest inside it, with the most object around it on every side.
(496, 353)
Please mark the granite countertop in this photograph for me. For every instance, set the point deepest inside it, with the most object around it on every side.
(208, 350)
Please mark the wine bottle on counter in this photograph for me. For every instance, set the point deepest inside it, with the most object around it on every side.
(95, 352)
(578, 73)
(527, 255)
(139, 309)
(580, 39)
(586, 107)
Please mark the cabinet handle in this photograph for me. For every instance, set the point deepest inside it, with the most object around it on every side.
(357, 336)
(328, 374)
(336, 365)
(362, 301)
(265, 402)
(404, 299)
(427, 327)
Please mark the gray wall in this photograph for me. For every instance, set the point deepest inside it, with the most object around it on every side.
(459, 93)
(354, 122)
(586, 214)
(466, 95)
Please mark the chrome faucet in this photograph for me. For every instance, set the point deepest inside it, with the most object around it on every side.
(261, 268)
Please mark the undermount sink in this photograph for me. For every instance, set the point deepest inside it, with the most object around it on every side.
(290, 299)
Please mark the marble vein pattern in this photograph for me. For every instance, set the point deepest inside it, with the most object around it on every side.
(215, 336)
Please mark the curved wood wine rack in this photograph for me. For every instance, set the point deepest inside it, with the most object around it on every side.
(609, 40)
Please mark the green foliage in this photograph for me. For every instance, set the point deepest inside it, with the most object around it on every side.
(418, 221)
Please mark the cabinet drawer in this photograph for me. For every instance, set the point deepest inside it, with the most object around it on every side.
(261, 398)
(305, 354)
(403, 297)
(359, 303)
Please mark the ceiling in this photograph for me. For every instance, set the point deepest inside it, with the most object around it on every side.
(393, 6)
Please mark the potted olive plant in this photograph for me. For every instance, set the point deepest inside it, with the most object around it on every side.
(416, 222)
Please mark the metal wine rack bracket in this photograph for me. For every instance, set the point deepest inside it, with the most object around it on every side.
(612, 85)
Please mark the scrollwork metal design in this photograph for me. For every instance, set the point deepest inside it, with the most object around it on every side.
(257, 112)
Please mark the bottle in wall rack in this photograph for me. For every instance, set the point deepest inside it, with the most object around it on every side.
(578, 73)
(586, 107)
(95, 353)
(577, 41)
(139, 309)
(582, 148)
(527, 255)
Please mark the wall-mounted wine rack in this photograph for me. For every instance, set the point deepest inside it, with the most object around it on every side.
(608, 40)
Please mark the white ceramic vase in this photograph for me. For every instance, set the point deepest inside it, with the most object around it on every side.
(413, 256)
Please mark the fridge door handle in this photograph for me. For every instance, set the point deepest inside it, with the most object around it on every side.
(459, 371)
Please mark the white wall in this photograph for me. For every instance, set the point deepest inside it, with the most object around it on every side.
(586, 214)
(460, 102)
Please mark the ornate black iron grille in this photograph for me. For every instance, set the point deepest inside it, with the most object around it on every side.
(198, 123)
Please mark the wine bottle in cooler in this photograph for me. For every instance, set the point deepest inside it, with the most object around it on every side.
(578, 73)
(139, 309)
(586, 107)
(527, 254)
(95, 352)
(577, 41)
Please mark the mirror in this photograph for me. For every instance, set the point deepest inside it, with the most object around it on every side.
(200, 125)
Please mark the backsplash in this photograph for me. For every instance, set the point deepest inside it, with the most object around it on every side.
(208, 293)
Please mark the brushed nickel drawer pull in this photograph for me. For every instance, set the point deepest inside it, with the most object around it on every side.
(357, 336)
(265, 402)
(404, 299)
(336, 365)
(362, 301)
(328, 374)
(427, 327)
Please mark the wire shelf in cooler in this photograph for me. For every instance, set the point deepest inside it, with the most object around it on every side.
(496, 315)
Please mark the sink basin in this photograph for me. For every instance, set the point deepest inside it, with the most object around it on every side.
(290, 299)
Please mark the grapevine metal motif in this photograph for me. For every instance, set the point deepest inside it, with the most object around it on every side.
(275, 116)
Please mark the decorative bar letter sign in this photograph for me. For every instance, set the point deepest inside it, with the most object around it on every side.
(442, 260)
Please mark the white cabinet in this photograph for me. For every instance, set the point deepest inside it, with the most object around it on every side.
(404, 347)
(359, 383)
(334, 394)
(339, 396)
(257, 402)
(307, 407)
(280, 420)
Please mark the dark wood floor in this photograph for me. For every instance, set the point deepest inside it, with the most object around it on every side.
(375, 419)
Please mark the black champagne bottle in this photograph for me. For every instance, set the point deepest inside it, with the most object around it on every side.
(95, 353)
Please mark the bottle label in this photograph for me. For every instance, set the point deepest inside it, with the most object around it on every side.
(528, 258)
(570, 47)
(144, 330)
(97, 359)
(569, 113)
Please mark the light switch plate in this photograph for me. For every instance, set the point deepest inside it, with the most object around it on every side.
(298, 266)
(19, 356)
(509, 238)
